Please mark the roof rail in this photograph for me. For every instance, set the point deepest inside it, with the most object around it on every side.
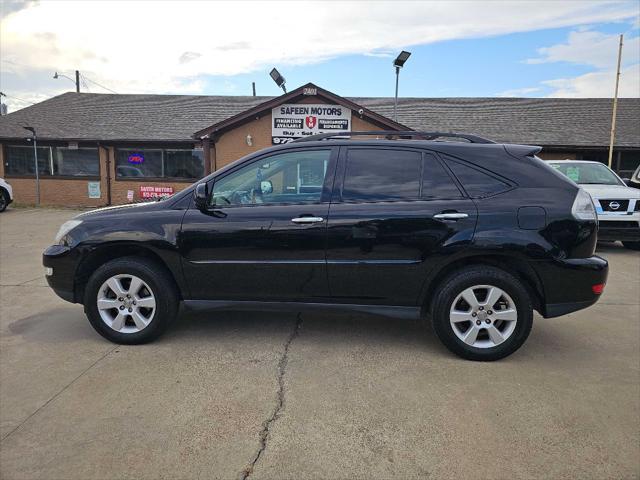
(389, 134)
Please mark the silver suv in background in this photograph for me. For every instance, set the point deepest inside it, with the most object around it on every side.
(617, 205)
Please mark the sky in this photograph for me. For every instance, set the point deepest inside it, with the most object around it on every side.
(518, 48)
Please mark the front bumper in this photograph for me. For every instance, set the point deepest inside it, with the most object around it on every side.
(625, 230)
(60, 266)
(568, 283)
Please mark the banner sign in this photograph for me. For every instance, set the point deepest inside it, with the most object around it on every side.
(155, 192)
(291, 121)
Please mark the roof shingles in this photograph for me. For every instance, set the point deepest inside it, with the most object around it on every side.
(542, 121)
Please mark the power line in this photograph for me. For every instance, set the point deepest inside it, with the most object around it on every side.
(96, 83)
(16, 98)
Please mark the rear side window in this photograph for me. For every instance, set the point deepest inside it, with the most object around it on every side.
(381, 174)
(436, 182)
(476, 182)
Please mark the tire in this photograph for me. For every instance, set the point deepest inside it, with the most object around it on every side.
(510, 317)
(147, 284)
(631, 245)
(4, 200)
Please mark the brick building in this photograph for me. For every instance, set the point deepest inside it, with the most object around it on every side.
(102, 149)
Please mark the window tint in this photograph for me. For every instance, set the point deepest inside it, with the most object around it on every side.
(476, 182)
(76, 162)
(159, 163)
(436, 182)
(19, 160)
(57, 161)
(381, 174)
(295, 177)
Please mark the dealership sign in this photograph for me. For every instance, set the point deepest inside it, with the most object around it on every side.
(298, 120)
(148, 191)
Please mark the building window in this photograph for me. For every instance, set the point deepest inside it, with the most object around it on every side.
(52, 161)
(81, 162)
(159, 163)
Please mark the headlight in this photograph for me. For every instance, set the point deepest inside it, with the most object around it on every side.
(65, 228)
(583, 208)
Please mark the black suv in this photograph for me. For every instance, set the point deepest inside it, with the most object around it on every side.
(469, 233)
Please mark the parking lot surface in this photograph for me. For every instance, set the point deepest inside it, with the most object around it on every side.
(260, 395)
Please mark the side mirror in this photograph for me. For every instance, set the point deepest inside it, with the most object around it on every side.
(201, 196)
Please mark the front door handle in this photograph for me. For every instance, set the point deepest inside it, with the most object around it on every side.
(302, 220)
(450, 216)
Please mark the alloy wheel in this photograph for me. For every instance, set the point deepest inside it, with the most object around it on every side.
(126, 303)
(483, 316)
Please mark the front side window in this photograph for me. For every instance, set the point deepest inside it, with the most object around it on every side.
(159, 163)
(55, 161)
(381, 175)
(294, 177)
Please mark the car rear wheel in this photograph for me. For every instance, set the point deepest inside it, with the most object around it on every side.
(632, 245)
(482, 313)
(130, 300)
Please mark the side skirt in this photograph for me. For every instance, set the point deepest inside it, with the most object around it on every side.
(408, 313)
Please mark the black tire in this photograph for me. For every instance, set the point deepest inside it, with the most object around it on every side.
(4, 200)
(631, 245)
(468, 277)
(158, 280)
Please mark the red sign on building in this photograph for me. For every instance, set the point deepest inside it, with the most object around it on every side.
(148, 191)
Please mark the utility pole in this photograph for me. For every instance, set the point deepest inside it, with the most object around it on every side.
(615, 104)
(395, 102)
(77, 81)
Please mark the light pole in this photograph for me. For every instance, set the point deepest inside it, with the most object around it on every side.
(398, 63)
(57, 75)
(35, 159)
(279, 79)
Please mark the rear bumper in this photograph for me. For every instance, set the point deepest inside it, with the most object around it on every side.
(568, 283)
(60, 267)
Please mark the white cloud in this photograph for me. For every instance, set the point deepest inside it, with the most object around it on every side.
(598, 84)
(165, 47)
(592, 48)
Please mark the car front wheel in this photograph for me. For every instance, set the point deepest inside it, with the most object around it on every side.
(482, 313)
(130, 300)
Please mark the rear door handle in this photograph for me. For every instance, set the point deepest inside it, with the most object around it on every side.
(302, 220)
(450, 216)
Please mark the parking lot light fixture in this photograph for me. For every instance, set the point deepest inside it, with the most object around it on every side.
(279, 79)
(399, 63)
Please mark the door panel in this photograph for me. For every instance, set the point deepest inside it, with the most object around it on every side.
(394, 214)
(381, 252)
(264, 236)
(255, 253)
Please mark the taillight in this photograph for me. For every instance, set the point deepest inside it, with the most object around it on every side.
(597, 288)
(583, 208)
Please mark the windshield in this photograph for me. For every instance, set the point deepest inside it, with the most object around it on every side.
(587, 173)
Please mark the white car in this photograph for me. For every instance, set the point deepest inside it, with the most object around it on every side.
(6, 195)
(617, 205)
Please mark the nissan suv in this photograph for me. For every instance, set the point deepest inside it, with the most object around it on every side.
(617, 205)
(469, 234)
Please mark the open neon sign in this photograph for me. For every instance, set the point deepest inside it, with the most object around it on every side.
(136, 158)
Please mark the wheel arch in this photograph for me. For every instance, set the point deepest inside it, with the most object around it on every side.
(106, 253)
(513, 265)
